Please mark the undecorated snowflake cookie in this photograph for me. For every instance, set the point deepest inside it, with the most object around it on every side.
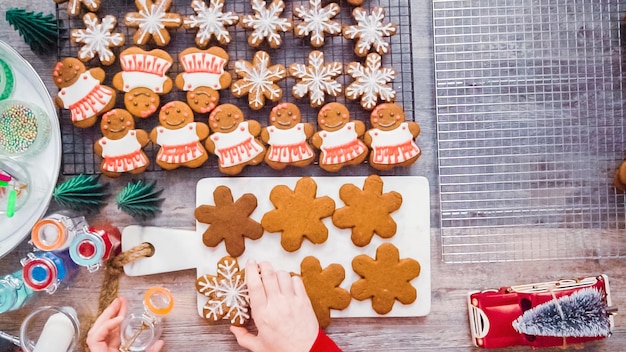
(370, 31)
(317, 20)
(97, 38)
(370, 82)
(316, 79)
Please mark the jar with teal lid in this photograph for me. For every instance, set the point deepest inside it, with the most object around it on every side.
(7, 80)
(13, 292)
(24, 128)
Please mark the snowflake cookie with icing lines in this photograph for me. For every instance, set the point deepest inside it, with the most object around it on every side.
(266, 23)
(317, 20)
(227, 293)
(97, 38)
(370, 82)
(210, 22)
(370, 31)
(316, 79)
(152, 21)
(258, 80)
(73, 6)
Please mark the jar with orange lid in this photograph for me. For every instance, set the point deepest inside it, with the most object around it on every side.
(142, 328)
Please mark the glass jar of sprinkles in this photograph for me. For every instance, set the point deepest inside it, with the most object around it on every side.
(24, 128)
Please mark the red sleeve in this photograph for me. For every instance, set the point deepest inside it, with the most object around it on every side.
(323, 343)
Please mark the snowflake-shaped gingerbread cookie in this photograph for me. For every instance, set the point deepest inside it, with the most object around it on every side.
(227, 293)
(316, 79)
(211, 22)
(369, 31)
(370, 82)
(153, 21)
(73, 6)
(97, 38)
(266, 23)
(258, 80)
(317, 20)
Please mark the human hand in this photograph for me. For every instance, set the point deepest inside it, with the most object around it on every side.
(104, 335)
(281, 310)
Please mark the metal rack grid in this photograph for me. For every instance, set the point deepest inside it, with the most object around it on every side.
(530, 104)
(78, 156)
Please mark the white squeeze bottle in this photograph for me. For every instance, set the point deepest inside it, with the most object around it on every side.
(141, 329)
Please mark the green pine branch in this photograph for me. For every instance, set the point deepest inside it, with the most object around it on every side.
(140, 200)
(81, 192)
(40, 32)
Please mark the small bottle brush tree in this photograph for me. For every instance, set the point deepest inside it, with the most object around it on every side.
(39, 31)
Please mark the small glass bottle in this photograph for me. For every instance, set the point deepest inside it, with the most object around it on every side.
(13, 292)
(141, 329)
(55, 232)
(44, 271)
(92, 247)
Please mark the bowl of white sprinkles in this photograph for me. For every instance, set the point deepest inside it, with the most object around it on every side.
(24, 128)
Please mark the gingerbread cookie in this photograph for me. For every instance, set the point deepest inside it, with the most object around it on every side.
(355, 2)
(370, 82)
(385, 279)
(204, 74)
(143, 79)
(287, 138)
(370, 31)
(234, 140)
(367, 212)
(97, 38)
(266, 23)
(258, 80)
(121, 148)
(210, 22)
(73, 6)
(229, 221)
(298, 214)
(322, 287)
(316, 79)
(316, 21)
(391, 138)
(338, 138)
(153, 21)
(227, 293)
(619, 178)
(179, 137)
(81, 91)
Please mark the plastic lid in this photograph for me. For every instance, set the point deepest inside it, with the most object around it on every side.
(8, 295)
(49, 234)
(158, 300)
(39, 273)
(87, 249)
(7, 82)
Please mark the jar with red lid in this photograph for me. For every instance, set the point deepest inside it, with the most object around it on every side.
(95, 245)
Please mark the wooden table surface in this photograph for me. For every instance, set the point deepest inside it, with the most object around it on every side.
(445, 328)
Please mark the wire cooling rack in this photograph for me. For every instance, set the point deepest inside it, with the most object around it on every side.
(78, 156)
(530, 117)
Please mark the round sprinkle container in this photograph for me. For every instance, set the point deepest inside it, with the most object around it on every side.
(24, 128)
(6, 80)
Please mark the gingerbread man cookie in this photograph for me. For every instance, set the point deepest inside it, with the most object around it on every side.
(204, 75)
(180, 137)
(258, 80)
(391, 138)
(121, 148)
(234, 140)
(73, 6)
(97, 38)
(339, 138)
(287, 138)
(143, 79)
(210, 22)
(81, 91)
(370, 31)
(152, 21)
(266, 23)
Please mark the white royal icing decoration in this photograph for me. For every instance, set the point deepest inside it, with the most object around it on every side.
(316, 79)
(341, 146)
(266, 22)
(85, 98)
(316, 20)
(370, 31)
(236, 147)
(97, 38)
(258, 78)
(152, 18)
(394, 146)
(127, 146)
(202, 70)
(288, 145)
(136, 79)
(211, 21)
(370, 82)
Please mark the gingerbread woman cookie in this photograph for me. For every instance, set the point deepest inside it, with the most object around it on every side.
(204, 75)
(180, 137)
(287, 138)
(266, 23)
(97, 38)
(234, 140)
(143, 79)
(121, 148)
(339, 138)
(210, 22)
(152, 21)
(81, 91)
(392, 138)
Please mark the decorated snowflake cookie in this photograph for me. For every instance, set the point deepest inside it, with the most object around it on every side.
(258, 80)
(97, 38)
(369, 31)
(152, 21)
(227, 293)
(266, 23)
(210, 22)
(317, 20)
(73, 6)
(370, 82)
(316, 79)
